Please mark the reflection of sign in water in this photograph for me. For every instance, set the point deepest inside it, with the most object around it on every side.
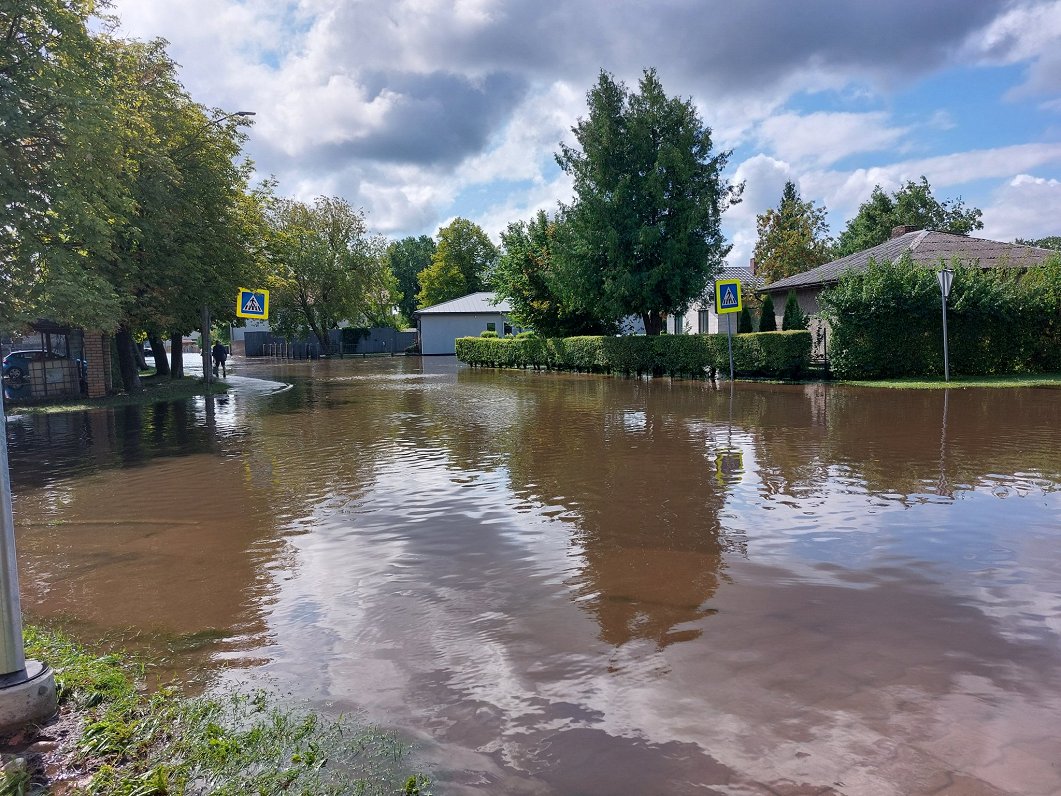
(252, 304)
(729, 466)
(727, 296)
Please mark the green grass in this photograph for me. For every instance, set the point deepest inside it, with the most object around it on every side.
(138, 744)
(1028, 380)
(156, 390)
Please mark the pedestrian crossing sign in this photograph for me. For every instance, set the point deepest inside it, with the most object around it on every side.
(727, 296)
(252, 304)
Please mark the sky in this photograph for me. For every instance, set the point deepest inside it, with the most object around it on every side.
(423, 110)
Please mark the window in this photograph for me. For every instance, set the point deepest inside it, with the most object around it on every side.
(491, 327)
(703, 322)
(508, 329)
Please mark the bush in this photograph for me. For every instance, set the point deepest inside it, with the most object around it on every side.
(886, 322)
(744, 322)
(771, 355)
(794, 318)
(488, 333)
(767, 319)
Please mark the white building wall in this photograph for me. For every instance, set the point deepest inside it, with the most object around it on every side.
(438, 331)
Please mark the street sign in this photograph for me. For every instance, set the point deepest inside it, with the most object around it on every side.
(252, 304)
(727, 296)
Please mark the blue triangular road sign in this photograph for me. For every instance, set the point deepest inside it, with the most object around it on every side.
(251, 305)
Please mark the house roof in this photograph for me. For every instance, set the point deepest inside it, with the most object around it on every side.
(923, 248)
(472, 304)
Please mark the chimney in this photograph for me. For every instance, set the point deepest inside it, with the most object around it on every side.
(898, 232)
(751, 264)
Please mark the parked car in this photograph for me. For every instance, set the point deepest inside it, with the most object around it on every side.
(16, 364)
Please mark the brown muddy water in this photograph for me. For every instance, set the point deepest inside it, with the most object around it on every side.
(561, 584)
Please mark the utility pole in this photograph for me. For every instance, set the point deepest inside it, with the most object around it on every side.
(27, 688)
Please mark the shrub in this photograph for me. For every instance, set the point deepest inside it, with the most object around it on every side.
(767, 319)
(771, 355)
(488, 333)
(744, 323)
(794, 318)
(887, 321)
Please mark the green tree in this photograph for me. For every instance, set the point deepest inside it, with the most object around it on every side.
(767, 318)
(326, 268)
(1049, 242)
(744, 321)
(649, 196)
(914, 205)
(61, 186)
(794, 317)
(460, 265)
(529, 276)
(792, 239)
(407, 258)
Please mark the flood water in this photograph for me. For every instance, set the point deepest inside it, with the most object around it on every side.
(563, 584)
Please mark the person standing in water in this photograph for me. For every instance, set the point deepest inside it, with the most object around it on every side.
(220, 354)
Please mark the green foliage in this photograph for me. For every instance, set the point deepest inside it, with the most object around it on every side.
(794, 317)
(1049, 242)
(645, 227)
(488, 333)
(136, 745)
(407, 258)
(529, 275)
(914, 205)
(767, 318)
(327, 268)
(887, 321)
(770, 355)
(744, 321)
(461, 264)
(792, 239)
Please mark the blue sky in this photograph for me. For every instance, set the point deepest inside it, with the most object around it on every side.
(421, 110)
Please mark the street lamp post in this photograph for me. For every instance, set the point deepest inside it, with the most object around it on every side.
(27, 688)
(945, 277)
(204, 316)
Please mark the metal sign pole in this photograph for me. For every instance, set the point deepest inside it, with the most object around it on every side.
(12, 656)
(946, 357)
(729, 335)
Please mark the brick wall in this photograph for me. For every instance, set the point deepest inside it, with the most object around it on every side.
(98, 357)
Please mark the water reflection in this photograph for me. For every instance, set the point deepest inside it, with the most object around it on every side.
(574, 584)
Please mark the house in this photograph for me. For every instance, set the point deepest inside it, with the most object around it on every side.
(439, 326)
(923, 247)
(700, 318)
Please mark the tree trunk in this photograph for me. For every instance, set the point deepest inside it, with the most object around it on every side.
(158, 350)
(176, 348)
(138, 354)
(123, 339)
(653, 322)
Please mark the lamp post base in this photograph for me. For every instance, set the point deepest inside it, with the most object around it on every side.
(27, 697)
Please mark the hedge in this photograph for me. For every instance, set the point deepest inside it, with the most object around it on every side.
(784, 355)
(886, 321)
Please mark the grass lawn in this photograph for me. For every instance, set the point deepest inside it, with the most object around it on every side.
(156, 390)
(1029, 380)
(112, 738)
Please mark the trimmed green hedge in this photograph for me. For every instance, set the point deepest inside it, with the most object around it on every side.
(779, 355)
(886, 322)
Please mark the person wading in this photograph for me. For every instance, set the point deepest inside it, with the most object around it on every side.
(220, 354)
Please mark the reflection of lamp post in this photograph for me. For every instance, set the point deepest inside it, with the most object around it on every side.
(945, 277)
(204, 320)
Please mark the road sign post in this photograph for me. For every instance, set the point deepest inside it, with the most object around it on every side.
(728, 301)
(252, 303)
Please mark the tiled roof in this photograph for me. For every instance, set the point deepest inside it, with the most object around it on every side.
(472, 304)
(924, 248)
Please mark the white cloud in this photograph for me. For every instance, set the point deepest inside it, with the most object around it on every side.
(824, 138)
(1028, 32)
(1025, 207)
